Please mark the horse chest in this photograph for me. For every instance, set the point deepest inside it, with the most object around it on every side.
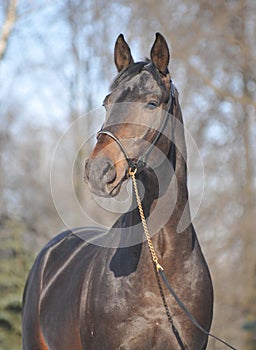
(125, 313)
(125, 321)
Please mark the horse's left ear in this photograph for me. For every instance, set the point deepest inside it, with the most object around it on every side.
(160, 54)
(123, 55)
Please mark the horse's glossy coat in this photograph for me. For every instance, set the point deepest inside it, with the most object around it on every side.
(80, 296)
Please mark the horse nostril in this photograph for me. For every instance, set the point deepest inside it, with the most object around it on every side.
(109, 172)
(86, 170)
(99, 172)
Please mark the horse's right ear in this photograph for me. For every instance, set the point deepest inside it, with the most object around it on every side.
(122, 55)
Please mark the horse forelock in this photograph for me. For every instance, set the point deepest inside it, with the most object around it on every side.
(129, 72)
(134, 69)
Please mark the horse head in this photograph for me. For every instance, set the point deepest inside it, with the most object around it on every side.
(136, 113)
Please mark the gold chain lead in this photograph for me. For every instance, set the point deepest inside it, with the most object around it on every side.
(143, 220)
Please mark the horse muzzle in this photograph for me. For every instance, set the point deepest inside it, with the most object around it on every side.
(103, 177)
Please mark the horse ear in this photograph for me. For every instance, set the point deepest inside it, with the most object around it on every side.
(122, 55)
(160, 54)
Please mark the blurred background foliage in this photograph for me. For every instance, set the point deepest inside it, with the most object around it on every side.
(56, 63)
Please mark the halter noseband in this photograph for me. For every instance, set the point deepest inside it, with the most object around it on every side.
(130, 162)
(142, 159)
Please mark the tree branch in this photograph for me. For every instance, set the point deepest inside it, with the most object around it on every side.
(10, 20)
(243, 100)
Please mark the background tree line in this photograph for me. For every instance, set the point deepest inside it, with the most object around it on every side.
(56, 62)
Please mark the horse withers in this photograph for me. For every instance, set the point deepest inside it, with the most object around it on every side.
(82, 294)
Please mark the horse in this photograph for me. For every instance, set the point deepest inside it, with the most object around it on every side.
(82, 294)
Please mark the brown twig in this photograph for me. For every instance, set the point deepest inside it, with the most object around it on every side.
(243, 100)
(11, 16)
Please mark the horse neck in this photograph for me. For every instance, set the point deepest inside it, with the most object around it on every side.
(180, 219)
(175, 236)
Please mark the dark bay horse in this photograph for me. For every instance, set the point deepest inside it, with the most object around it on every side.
(82, 294)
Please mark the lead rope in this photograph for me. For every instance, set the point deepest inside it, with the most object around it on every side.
(167, 311)
(160, 271)
(143, 220)
(157, 266)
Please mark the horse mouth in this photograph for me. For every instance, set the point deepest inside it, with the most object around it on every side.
(115, 191)
(106, 192)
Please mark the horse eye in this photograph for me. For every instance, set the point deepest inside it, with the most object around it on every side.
(106, 101)
(105, 105)
(152, 105)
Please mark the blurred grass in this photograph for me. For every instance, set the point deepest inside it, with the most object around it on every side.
(15, 261)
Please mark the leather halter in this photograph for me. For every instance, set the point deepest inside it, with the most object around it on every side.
(142, 159)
